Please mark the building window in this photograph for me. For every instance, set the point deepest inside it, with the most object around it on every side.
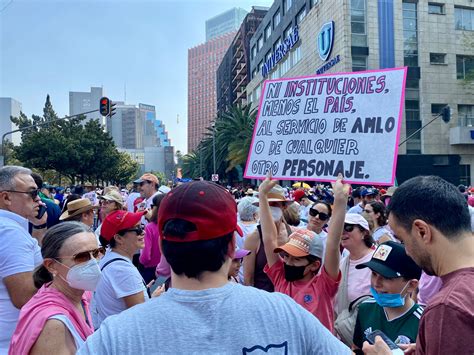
(413, 123)
(437, 58)
(313, 3)
(358, 23)
(436, 108)
(359, 62)
(257, 92)
(287, 5)
(254, 51)
(295, 56)
(464, 67)
(268, 55)
(260, 43)
(464, 19)
(301, 15)
(466, 115)
(277, 44)
(276, 19)
(437, 9)
(410, 34)
(287, 32)
(285, 66)
(268, 31)
(254, 73)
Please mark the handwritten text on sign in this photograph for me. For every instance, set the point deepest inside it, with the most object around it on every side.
(314, 128)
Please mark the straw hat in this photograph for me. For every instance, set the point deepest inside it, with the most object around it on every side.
(276, 194)
(77, 207)
(113, 196)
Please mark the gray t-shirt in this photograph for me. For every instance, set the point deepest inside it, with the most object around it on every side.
(232, 319)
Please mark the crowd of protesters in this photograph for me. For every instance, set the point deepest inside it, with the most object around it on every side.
(201, 268)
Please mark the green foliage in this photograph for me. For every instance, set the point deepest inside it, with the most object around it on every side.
(72, 149)
(232, 135)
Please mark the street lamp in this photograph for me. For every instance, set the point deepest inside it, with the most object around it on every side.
(214, 146)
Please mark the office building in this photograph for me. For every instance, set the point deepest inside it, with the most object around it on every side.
(233, 73)
(80, 102)
(203, 61)
(427, 37)
(9, 107)
(226, 22)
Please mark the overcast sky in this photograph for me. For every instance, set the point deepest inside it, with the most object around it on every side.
(53, 47)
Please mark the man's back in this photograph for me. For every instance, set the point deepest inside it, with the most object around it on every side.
(447, 324)
(232, 319)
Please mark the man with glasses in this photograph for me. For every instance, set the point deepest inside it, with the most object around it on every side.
(149, 185)
(19, 252)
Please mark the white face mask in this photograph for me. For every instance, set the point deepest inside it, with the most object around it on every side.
(84, 276)
(277, 213)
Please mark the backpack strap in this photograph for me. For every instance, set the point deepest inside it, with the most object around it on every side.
(117, 259)
(111, 261)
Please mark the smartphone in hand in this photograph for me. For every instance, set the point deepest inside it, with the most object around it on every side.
(393, 347)
(41, 211)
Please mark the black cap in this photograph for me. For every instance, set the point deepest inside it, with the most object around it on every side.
(390, 260)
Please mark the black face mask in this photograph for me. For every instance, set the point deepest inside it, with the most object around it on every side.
(294, 273)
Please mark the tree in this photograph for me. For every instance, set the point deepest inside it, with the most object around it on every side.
(232, 135)
(125, 171)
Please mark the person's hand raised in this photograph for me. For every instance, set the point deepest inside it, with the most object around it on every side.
(267, 184)
(339, 188)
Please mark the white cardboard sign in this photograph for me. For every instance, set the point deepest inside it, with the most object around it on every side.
(313, 128)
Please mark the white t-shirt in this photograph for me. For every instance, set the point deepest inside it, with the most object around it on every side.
(232, 319)
(131, 199)
(119, 279)
(19, 252)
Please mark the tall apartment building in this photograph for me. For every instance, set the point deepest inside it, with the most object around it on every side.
(203, 61)
(226, 22)
(427, 37)
(80, 102)
(233, 73)
(9, 107)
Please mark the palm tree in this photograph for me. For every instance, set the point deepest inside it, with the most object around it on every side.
(232, 135)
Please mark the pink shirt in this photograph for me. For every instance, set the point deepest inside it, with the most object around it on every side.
(358, 279)
(316, 295)
(46, 303)
(151, 254)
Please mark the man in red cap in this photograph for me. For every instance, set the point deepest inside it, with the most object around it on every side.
(203, 312)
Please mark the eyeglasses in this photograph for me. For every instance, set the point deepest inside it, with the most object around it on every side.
(33, 193)
(314, 212)
(138, 230)
(145, 182)
(349, 227)
(85, 256)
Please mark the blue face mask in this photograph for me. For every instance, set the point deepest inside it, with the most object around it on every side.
(390, 300)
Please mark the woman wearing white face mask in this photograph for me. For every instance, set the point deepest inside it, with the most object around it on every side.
(255, 262)
(57, 319)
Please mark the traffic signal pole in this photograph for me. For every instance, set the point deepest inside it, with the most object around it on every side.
(2, 157)
(445, 113)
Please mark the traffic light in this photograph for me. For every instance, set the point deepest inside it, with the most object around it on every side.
(446, 114)
(112, 109)
(104, 106)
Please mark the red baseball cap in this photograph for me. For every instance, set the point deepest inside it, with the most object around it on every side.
(298, 195)
(210, 207)
(118, 221)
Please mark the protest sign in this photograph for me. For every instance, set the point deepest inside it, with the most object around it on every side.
(313, 128)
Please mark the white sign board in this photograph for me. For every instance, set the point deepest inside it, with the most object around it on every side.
(313, 128)
(215, 177)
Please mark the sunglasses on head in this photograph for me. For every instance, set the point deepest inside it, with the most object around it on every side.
(322, 216)
(85, 256)
(138, 230)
